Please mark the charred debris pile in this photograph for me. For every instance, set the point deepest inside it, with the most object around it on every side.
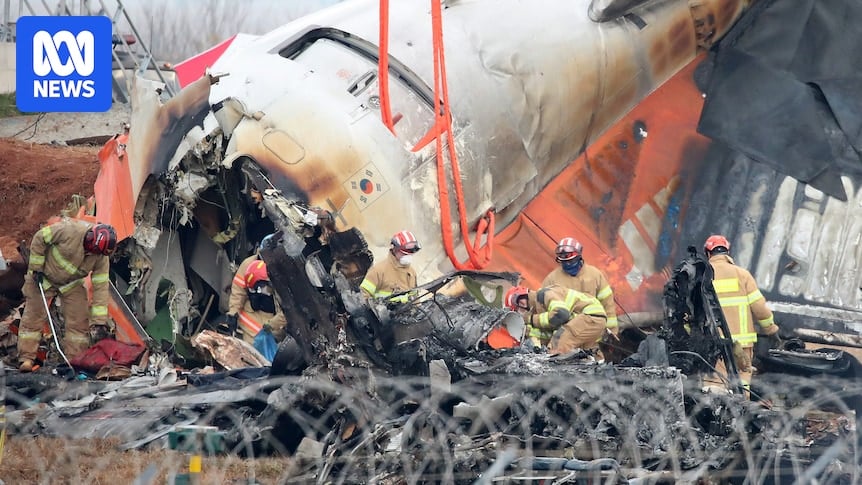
(372, 391)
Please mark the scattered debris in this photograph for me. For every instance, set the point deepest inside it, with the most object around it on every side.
(230, 352)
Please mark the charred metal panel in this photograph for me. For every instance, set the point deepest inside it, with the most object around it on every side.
(695, 328)
(157, 129)
(800, 244)
(167, 263)
(211, 263)
(311, 317)
(457, 324)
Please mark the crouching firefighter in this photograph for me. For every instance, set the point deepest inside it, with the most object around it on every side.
(61, 256)
(560, 318)
(576, 274)
(254, 306)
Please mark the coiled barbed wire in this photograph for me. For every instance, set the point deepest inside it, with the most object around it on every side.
(583, 422)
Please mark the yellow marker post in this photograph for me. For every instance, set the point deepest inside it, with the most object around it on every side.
(197, 441)
(195, 465)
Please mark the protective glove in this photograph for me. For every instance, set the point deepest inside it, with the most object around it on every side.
(774, 340)
(38, 277)
(743, 362)
(99, 332)
(232, 322)
(770, 335)
(527, 315)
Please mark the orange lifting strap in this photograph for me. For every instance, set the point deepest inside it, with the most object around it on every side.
(478, 255)
(383, 67)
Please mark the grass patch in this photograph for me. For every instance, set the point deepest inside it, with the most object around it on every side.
(7, 106)
(100, 462)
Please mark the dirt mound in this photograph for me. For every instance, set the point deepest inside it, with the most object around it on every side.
(37, 182)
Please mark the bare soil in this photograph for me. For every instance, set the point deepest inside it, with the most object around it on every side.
(37, 181)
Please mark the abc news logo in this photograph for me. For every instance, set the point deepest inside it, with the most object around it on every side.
(63, 64)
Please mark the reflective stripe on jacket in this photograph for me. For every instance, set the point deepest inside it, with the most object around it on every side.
(238, 295)
(253, 321)
(740, 299)
(555, 306)
(592, 281)
(57, 250)
(387, 277)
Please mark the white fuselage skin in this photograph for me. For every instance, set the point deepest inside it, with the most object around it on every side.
(531, 85)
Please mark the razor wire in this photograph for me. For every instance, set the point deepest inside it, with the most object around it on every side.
(592, 422)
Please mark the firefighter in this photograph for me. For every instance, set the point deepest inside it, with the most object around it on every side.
(561, 318)
(257, 307)
(238, 294)
(61, 256)
(744, 307)
(394, 274)
(574, 273)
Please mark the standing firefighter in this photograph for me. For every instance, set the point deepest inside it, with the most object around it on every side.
(61, 256)
(743, 305)
(560, 318)
(394, 274)
(574, 273)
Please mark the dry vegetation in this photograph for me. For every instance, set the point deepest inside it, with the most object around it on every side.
(98, 462)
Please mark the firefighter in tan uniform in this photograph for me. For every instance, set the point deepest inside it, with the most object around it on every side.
(394, 274)
(743, 305)
(253, 303)
(61, 256)
(574, 273)
(560, 318)
(238, 294)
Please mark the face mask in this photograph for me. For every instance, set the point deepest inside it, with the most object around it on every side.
(405, 259)
(573, 267)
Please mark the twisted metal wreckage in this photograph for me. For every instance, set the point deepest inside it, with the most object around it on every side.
(519, 412)
(382, 392)
(379, 391)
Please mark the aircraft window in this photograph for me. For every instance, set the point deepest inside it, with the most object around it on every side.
(606, 10)
(350, 66)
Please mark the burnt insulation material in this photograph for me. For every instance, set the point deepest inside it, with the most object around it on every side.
(458, 323)
(783, 87)
(628, 413)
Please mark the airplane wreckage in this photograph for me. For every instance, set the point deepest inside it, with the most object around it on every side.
(332, 143)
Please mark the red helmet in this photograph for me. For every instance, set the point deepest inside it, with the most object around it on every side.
(716, 241)
(568, 249)
(100, 239)
(405, 242)
(256, 273)
(515, 293)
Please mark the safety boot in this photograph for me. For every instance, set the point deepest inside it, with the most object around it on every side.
(26, 366)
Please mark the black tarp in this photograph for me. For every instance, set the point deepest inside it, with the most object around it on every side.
(784, 87)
